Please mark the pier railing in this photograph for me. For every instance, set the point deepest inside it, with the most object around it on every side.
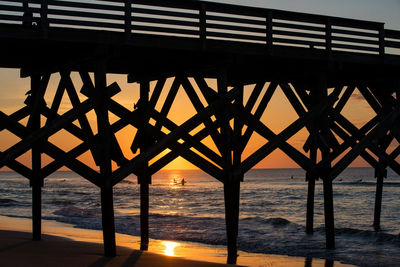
(205, 21)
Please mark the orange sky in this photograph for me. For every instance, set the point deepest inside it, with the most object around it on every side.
(278, 116)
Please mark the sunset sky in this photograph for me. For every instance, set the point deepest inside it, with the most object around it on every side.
(13, 88)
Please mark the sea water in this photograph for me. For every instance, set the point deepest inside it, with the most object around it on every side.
(272, 211)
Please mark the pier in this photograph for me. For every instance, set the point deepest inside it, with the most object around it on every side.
(317, 61)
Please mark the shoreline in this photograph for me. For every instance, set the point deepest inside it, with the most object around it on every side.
(164, 250)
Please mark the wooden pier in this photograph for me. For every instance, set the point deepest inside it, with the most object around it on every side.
(317, 61)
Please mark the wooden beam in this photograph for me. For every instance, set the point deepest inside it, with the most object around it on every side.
(259, 111)
(190, 140)
(133, 118)
(345, 97)
(175, 135)
(44, 133)
(279, 140)
(199, 106)
(59, 155)
(83, 121)
(363, 143)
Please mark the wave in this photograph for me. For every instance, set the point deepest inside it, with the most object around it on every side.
(6, 202)
(373, 184)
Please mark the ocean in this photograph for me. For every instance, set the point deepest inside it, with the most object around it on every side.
(272, 211)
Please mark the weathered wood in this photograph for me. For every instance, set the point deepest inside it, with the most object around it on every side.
(362, 144)
(164, 111)
(380, 174)
(237, 133)
(178, 149)
(44, 8)
(195, 100)
(232, 196)
(231, 183)
(310, 202)
(280, 139)
(259, 111)
(345, 97)
(83, 121)
(25, 144)
(203, 25)
(62, 158)
(328, 212)
(209, 94)
(312, 100)
(103, 129)
(128, 18)
(326, 161)
(36, 182)
(328, 34)
(175, 135)
(191, 140)
(370, 98)
(144, 179)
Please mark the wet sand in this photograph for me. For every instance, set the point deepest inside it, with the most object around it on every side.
(63, 245)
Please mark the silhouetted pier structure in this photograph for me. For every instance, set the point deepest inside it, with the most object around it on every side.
(317, 61)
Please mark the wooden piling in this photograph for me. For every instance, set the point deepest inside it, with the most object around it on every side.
(36, 194)
(144, 213)
(380, 174)
(324, 126)
(311, 193)
(107, 215)
(231, 195)
(34, 101)
(231, 183)
(103, 125)
(310, 204)
(328, 212)
(144, 179)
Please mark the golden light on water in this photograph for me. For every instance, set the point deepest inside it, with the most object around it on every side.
(169, 248)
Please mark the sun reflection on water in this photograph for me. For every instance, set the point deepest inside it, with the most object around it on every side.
(170, 247)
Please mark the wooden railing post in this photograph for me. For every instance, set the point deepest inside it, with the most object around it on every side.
(27, 17)
(203, 25)
(382, 40)
(128, 19)
(43, 17)
(328, 36)
(269, 36)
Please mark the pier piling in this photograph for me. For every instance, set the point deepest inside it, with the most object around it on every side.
(380, 174)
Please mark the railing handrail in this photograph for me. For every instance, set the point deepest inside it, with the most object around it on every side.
(207, 20)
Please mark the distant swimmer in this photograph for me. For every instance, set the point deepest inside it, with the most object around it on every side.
(183, 181)
(291, 177)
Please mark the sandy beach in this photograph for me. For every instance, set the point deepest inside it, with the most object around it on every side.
(63, 245)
